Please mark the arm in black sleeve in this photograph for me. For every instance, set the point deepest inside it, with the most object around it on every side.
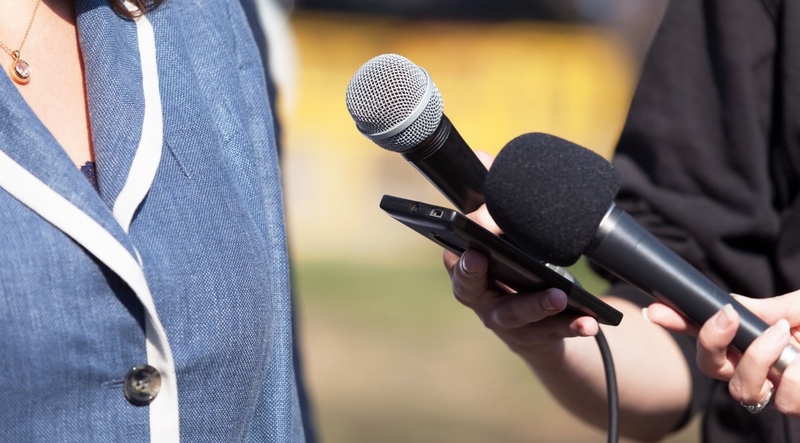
(695, 152)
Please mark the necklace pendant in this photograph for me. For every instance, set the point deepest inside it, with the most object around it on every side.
(20, 69)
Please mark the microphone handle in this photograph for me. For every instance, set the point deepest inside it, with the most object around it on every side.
(446, 160)
(626, 249)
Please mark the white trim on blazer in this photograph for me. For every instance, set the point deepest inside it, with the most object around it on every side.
(148, 154)
(74, 222)
(164, 410)
(63, 214)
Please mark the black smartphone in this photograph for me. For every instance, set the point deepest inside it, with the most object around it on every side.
(508, 264)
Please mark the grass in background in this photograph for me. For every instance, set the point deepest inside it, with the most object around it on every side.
(392, 295)
(391, 356)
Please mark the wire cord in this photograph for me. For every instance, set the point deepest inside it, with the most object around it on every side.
(611, 387)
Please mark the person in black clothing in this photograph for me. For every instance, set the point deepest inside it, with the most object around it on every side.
(710, 163)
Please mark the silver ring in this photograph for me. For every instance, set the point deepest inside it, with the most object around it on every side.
(756, 408)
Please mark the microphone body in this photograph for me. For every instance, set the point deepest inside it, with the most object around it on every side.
(395, 104)
(626, 249)
(451, 166)
(554, 199)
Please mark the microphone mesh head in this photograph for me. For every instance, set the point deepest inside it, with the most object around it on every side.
(385, 93)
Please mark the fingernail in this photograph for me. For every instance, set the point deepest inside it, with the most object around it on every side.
(547, 303)
(554, 301)
(778, 331)
(723, 319)
(462, 263)
(644, 315)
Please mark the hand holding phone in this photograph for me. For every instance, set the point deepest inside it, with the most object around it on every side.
(508, 264)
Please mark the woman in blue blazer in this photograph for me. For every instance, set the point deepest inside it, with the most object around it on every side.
(153, 303)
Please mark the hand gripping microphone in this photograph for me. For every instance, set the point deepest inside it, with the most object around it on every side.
(395, 104)
(554, 199)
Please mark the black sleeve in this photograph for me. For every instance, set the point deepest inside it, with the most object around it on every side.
(695, 153)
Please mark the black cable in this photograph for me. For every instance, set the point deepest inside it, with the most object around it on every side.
(608, 368)
(611, 387)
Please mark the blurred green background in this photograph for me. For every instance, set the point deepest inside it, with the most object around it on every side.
(389, 354)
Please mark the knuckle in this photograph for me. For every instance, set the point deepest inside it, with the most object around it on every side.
(789, 408)
(705, 342)
(490, 322)
(517, 311)
(735, 389)
(758, 355)
(791, 377)
(709, 366)
(786, 406)
(466, 291)
(506, 317)
(790, 383)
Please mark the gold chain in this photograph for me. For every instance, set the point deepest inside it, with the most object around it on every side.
(24, 37)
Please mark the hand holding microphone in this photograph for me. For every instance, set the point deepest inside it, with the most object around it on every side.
(395, 104)
(556, 203)
(555, 200)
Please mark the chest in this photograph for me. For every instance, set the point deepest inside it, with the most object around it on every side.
(55, 92)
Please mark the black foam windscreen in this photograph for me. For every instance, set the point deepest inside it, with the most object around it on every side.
(549, 195)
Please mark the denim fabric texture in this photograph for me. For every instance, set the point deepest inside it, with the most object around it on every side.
(210, 235)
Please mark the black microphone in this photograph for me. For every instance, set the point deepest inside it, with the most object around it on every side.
(555, 200)
(395, 104)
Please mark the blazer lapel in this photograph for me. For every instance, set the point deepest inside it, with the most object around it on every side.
(124, 105)
(26, 143)
(38, 172)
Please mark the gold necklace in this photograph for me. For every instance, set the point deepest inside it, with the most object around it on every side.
(20, 69)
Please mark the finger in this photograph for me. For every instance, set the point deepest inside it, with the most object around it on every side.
(517, 310)
(485, 158)
(749, 383)
(712, 343)
(482, 217)
(787, 393)
(550, 330)
(774, 308)
(669, 319)
(469, 278)
(450, 261)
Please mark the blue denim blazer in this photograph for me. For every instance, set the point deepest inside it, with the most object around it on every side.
(178, 261)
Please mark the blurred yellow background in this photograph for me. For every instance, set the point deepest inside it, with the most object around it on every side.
(389, 355)
(497, 80)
